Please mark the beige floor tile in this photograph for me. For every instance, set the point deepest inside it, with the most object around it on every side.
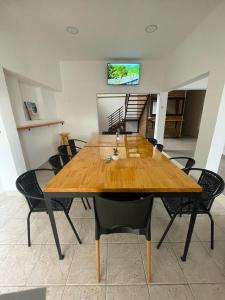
(170, 292)
(208, 291)
(165, 266)
(17, 263)
(178, 231)
(82, 269)
(54, 292)
(125, 264)
(199, 266)
(220, 221)
(78, 211)
(127, 292)
(11, 232)
(84, 293)
(217, 208)
(218, 253)
(49, 269)
(203, 229)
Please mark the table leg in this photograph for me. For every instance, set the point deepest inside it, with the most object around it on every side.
(53, 224)
(190, 229)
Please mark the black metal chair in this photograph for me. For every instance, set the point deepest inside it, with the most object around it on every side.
(190, 162)
(73, 146)
(123, 213)
(63, 150)
(27, 184)
(159, 147)
(57, 163)
(212, 186)
(152, 141)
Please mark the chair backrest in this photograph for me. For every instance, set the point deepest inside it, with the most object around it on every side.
(190, 162)
(73, 147)
(152, 141)
(123, 213)
(212, 185)
(159, 147)
(63, 151)
(55, 162)
(27, 185)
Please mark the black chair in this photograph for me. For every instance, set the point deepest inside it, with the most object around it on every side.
(27, 184)
(127, 213)
(57, 163)
(152, 141)
(212, 186)
(159, 147)
(73, 146)
(190, 162)
(63, 150)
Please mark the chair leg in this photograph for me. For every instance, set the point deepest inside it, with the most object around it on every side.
(88, 203)
(97, 249)
(148, 260)
(84, 203)
(212, 230)
(74, 230)
(166, 231)
(28, 229)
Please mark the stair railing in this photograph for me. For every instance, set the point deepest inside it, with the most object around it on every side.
(116, 117)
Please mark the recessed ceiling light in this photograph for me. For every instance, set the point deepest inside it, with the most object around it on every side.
(72, 30)
(151, 28)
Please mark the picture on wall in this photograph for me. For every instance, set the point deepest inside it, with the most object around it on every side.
(32, 110)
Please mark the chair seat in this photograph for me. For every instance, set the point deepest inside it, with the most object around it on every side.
(173, 203)
(66, 202)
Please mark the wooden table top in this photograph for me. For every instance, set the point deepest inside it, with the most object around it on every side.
(104, 140)
(140, 168)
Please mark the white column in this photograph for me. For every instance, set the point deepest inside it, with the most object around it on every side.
(160, 116)
(12, 161)
(210, 142)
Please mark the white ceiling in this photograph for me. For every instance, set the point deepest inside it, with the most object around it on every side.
(108, 29)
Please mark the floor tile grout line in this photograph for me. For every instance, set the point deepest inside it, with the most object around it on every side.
(68, 273)
(192, 292)
(179, 263)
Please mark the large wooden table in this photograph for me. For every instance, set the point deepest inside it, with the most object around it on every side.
(140, 169)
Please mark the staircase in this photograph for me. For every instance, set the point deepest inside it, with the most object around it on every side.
(131, 111)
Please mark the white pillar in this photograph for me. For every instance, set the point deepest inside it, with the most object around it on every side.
(160, 116)
(210, 142)
(12, 161)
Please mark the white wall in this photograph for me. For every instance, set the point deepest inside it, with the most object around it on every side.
(82, 80)
(203, 52)
(106, 106)
(38, 144)
(12, 162)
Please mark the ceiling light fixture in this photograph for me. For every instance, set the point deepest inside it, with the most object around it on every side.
(72, 30)
(151, 28)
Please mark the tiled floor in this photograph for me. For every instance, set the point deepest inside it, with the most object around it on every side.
(123, 274)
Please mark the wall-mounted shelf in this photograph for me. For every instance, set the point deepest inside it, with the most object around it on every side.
(38, 123)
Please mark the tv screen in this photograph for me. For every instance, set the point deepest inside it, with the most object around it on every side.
(123, 74)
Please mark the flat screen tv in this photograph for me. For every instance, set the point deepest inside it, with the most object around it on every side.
(123, 74)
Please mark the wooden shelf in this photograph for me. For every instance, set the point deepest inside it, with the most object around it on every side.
(38, 123)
